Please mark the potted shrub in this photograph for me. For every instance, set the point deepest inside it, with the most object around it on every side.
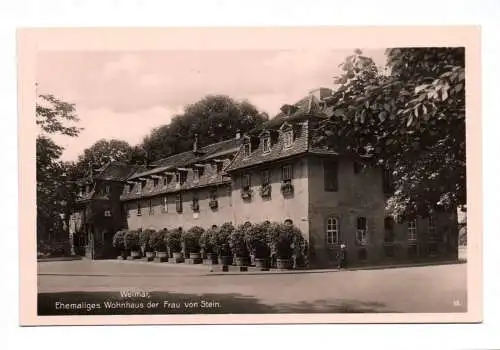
(157, 244)
(256, 241)
(131, 239)
(207, 246)
(174, 244)
(220, 243)
(238, 244)
(119, 243)
(281, 238)
(144, 242)
(191, 240)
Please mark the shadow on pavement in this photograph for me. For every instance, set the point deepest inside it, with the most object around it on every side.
(111, 303)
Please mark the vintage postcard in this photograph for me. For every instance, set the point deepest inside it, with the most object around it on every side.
(237, 175)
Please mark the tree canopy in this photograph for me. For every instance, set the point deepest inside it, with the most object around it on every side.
(214, 118)
(409, 119)
(54, 192)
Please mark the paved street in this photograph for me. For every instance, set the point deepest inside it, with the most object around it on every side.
(417, 289)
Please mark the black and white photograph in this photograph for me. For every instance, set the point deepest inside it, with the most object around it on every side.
(270, 181)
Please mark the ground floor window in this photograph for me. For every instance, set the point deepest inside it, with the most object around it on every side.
(165, 204)
(332, 231)
(432, 229)
(362, 231)
(412, 230)
(178, 203)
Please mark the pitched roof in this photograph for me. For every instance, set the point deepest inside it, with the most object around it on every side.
(305, 110)
(208, 152)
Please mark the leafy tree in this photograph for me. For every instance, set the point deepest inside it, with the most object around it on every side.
(214, 118)
(409, 119)
(54, 194)
(102, 152)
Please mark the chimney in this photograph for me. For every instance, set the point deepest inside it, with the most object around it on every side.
(321, 93)
(238, 134)
(195, 143)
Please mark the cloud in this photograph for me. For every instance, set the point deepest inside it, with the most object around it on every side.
(103, 123)
(125, 94)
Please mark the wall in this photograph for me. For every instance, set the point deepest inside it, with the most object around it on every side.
(187, 219)
(278, 207)
(358, 195)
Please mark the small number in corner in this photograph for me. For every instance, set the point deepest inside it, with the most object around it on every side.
(456, 303)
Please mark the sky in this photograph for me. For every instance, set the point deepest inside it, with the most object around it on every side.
(124, 95)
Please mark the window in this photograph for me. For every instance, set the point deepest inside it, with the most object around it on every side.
(196, 174)
(139, 213)
(287, 174)
(127, 211)
(412, 230)
(288, 222)
(139, 187)
(432, 228)
(247, 149)
(362, 231)
(388, 229)
(287, 138)
(196, 203)
(330, 173)
(178, 203)
(246, 181)
(332, 231)
(165, 181)
(165, 204)
(266, 144)
(107, 213)
(265, 177)
(151, 208)
(107, 189)
(178, 177)
(219, 166)
(156, 181)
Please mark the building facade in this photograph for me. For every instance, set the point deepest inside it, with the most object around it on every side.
(273, 173)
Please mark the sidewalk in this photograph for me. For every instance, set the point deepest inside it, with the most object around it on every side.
(216, 270)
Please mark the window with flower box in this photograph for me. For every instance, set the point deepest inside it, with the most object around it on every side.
(246, 182)
(195, 205)
(213, 203)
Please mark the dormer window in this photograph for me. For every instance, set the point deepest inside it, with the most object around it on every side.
(287, 138)
(247, 149)
(266, 144)
(196, 174)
